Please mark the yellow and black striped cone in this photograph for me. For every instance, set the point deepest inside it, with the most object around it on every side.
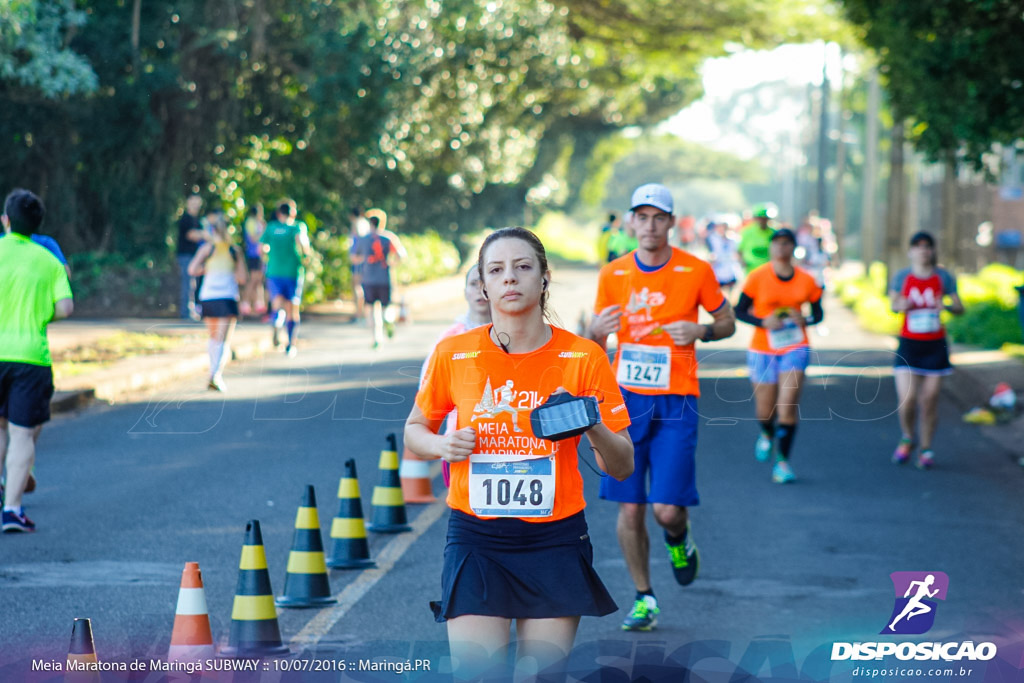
(81, 654)
(388, 503)
(350, 549)
(254, 629)
(305, 583)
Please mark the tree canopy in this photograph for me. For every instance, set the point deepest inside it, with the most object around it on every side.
(955, 68)
(450, 115)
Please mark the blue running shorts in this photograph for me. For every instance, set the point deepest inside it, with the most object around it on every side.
(289, 288)
(664, 433)
(765, 367)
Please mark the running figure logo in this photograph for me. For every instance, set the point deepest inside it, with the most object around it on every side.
(914, 612)
(487, 409)
(640, 301)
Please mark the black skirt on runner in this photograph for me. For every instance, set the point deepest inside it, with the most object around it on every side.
(923, 357)
(520, 570)
(219, 308)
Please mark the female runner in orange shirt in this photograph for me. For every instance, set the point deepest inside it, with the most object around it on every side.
(518, 547)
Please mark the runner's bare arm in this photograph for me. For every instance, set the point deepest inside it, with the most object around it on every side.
(63, 308)
(724, 324)
(613, 450)
(241, 269)
(898, 302)
(684, 333)
(603, 324)
(421, 438)
(302, 241)
(195, 266)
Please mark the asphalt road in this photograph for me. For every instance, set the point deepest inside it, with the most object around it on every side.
(128, 493)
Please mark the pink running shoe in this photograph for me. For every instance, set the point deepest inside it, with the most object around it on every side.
(902, 453)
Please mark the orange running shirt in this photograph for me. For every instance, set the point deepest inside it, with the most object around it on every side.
(649, 300)
(770, 294)
(494, 393)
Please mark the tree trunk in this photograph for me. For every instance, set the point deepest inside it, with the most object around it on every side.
(896, 203)
(948, 243)
(136, 21)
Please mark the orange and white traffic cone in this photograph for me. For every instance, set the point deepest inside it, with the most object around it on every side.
(415, 476)
(191, 639)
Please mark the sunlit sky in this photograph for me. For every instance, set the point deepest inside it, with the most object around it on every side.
(798, 64)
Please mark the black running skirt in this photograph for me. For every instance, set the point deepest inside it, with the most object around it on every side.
(520, 570)
(219, 308)
(923, 357)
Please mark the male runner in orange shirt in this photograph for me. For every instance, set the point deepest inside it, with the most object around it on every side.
(650, 299)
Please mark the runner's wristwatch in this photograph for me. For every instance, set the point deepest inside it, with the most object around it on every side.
(709, 333)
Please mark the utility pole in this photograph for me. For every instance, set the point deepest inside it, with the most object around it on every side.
(839, 216)
(822, 199)
(869, 206)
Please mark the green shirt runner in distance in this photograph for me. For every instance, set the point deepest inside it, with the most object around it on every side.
(285, 257)
(754, 243)
(32, 280)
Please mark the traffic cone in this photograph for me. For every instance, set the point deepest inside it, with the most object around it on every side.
(350, 550)
(254, 629)
(388, 504)
(191, 639)
(415, 476)
(81, 653)
(305, 583)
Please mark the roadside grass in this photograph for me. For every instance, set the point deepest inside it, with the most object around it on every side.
(112, 348)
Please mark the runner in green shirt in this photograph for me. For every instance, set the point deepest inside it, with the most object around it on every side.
(287, 242)
(34, 289)
(756, 237)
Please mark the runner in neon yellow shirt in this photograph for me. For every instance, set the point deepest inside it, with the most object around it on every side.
(34, 290)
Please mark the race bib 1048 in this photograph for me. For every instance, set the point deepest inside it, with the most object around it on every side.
(645, 367)
(504, 486)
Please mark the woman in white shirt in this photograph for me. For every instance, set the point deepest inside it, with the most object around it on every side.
(223, 269)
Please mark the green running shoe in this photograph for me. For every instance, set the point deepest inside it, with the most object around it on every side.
(644, 616)
(763, 449)
(685, 558)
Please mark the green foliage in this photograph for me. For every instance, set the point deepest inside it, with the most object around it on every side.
(566, 240)
(987, 324)
(866, 295)
(141, 285)
(33, 50)
(451, 116)
(428, 256)
(328, 270)
(954, 67)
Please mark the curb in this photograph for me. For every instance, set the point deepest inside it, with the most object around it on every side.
(144, 374)
(67, 401)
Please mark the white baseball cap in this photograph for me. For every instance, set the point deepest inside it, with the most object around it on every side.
(652, 194)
